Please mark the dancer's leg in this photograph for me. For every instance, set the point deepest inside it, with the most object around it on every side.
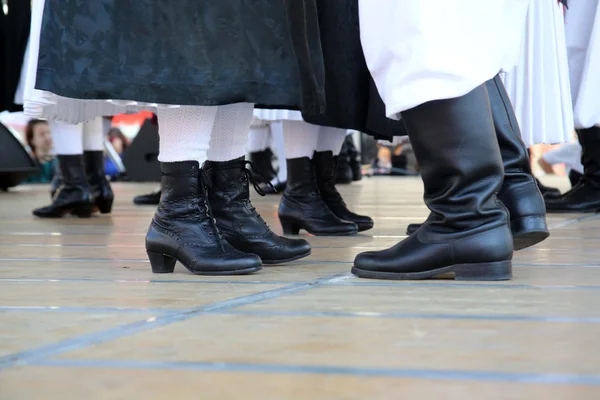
(93, 153)
(229, 194)
(325, 162)
(73, 195)
(302, 206)
(183, 227)
(279, 149)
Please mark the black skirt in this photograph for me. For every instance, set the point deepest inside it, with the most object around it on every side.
(294, 54)
(14, 33)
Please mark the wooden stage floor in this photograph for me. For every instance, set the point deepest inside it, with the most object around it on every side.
(82, 316)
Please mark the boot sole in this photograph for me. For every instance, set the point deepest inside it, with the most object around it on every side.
(293, 228)
(79, 211)
(590, 211)
(362, 228)
(273, 262)
(491, 271)
(528, 231)
(104, 205)
(165, 264)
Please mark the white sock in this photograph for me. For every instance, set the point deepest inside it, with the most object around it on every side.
(279, 150)
(230, 132)
(300, 139)
(67, 138)
(331, 139)
(185, 132)
(93, 135)
(258, 138)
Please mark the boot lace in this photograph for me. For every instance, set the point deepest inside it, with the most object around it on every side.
(204, 207)
(250, 176)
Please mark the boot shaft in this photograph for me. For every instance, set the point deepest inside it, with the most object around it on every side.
(181, 189)
(325, 165)
(301, 178)
(96, 175)
(94, 164)
(460, 163)
(229, 198)
(73, 184)
(72, 170)
(184, 200)
(589, 139)
(229, 181)
(515, 156)
(326, 176)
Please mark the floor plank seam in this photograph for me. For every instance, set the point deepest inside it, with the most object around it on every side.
(430, 374)
(83, 341)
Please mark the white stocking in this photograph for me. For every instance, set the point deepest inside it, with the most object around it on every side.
(93, 135)
(185, 132)
(258, 138)
(331, 139)
(300, 139)
(67, 138)
(278, 147)
(230, 132)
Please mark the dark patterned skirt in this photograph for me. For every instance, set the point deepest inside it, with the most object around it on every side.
(294, 54)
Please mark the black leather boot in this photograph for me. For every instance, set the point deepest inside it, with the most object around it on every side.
(302, 206)
(584, 197)
(272, 188)
(238, 220)
(519, 193)
(56, 183)
(344, 174)
(264, 161)
(150, 199)
(101, 190)
(548, 192)
(467, 232)
(354, 159)
(325, 169)
(183, 228)
(73, 196)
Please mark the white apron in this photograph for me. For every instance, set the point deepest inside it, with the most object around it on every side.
(539, 85)
(418, 50)
(583, 45)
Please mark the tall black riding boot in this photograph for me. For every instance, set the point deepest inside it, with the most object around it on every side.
(183, 228)
(519, 193)
(584, 197)
(73, 196)
(101, 190)
(264, 161)
(325, 171)
(238, 220)
(467, 232)
(302, 206)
